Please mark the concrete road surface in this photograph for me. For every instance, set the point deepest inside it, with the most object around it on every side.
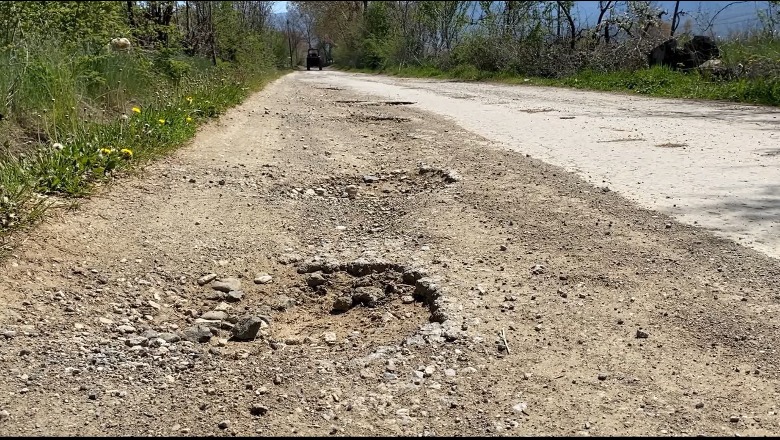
(712, 164)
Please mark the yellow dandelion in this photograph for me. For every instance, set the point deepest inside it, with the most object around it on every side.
(189, 119)
(136, 110)
(126, 153)
(106, 151)
(161, 121)
(189, 99)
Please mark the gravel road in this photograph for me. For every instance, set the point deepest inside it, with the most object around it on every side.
(716, 165)
(325, 261)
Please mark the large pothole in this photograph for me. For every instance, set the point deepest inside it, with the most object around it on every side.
(384, 300)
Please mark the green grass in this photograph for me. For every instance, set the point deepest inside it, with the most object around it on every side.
(89, 118)
(657, 81)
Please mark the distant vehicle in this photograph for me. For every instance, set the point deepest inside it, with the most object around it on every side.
(313, 59)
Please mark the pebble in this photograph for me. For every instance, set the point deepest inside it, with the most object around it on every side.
(225, 424)
(105, 321)
(234, 296)
(370, 179)
(352, 191)
(429, 370)
(309, 192)
(136, 340)
(215, 315)
(263, 278)
(407, 299)
(520, 407)
(246, 328)
(125, 329)
(734, 419)
(700, 405)
(602, 376)
(170, 338)
(330, 338)
(4, 415)
(320, 191)
(315, 279)
(284, 302)
(642, 334)
(258, 410)
(227, 285)
(205, 279)
(197, 333)
(449, 372)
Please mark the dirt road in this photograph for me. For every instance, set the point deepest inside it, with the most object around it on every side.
(394, 274)
(716, 165)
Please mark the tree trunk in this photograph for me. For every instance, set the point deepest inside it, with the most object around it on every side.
(675, 18)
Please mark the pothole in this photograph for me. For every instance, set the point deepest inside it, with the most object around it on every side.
(671, 145)
(372, 186)
(621, 140)
(537, 110)
(375, 118)
(357, 101)
(375, 298)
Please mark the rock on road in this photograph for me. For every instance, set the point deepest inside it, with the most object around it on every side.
(713, 164)
(326, 261)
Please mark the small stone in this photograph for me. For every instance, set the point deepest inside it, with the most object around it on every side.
(352, 191)
(642, 334)
(289, 258)
(246, 328)
(227, 285)
(429, 370)
(258, 410)
(320, 191)
(370, 179)
(283, 302)
(734, 419)
(197, 333)
(215, 315)
(263, 278)
(221, 181)
(4, 415)
(700, 405)
(449, 372)
(154, 305)
(520, 407)
(330, 338)
(342, 303)
(205, 279)
(234, 296)
(407, 299)
(170, 338)
(502, 247)
(225, 424)
(136, 340)
(309, 192)
(125, 329)
(105, 321)
(602, 376)
(315, 279)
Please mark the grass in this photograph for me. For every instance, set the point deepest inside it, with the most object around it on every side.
(759, 55)
(657, 81)
(86, 119)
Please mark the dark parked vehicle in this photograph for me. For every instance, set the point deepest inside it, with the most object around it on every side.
(313, 59)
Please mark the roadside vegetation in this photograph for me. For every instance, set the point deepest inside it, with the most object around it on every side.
(546, 43)
(77, 111)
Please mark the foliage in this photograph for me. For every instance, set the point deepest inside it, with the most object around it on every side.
(76, 113)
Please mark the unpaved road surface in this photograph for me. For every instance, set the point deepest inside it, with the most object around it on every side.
(715, 165)
(476, 291)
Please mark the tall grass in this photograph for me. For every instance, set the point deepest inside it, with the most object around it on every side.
(71, 120)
